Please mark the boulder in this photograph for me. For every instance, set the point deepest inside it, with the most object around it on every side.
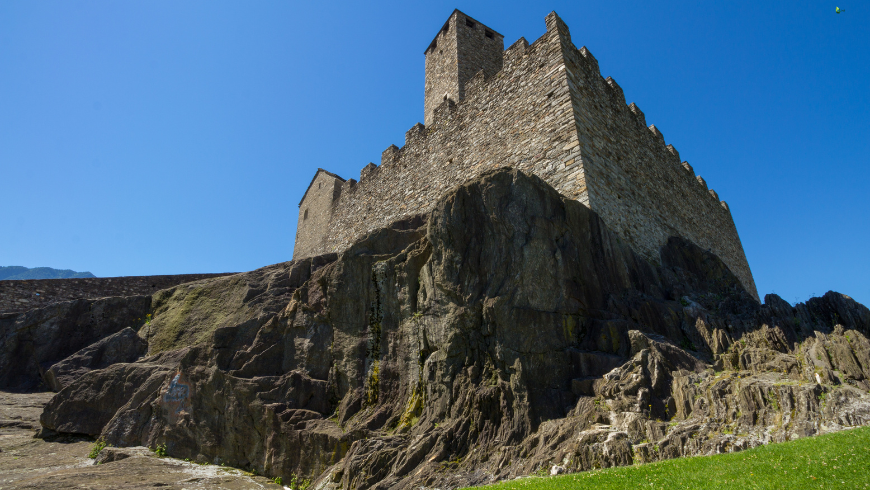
(111, 454)
(36, 339)
(124, 346)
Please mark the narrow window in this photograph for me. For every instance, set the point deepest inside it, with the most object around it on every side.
(469, 23)
(489, 34)
(319, 184)
(305, 215)
(446, 28)
(434, 45)
(445, 97)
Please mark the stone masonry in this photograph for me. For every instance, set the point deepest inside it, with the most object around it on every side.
(17, 296)
(545, 109)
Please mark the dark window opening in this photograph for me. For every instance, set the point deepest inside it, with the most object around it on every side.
(319, 184)
(489, 35)
(440, 51)
(434, 45)
(445, 96)
(446, 28)
(469, 23)
(305, 215)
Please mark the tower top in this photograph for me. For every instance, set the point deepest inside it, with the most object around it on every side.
(446, 26)
(462, 48)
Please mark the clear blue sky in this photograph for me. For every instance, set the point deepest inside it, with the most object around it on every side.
(158, 137)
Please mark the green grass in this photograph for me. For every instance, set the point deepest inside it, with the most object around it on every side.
(839, 460)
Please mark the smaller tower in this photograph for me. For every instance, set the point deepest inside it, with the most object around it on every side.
(461, 48)
(315, 211)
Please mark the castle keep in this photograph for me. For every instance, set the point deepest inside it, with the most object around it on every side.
(545, 109)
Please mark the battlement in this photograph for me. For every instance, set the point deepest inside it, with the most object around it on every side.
(543, 108)
(462, 48)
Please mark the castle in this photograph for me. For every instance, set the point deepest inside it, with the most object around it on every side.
(545, 109)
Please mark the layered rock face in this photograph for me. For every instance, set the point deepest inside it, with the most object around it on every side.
(33, 341)
(505, 332)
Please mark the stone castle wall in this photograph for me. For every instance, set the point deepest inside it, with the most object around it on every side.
(462, 48)
(547, 112)
(16, 296)
(316, 213)
(442, 82)
(484, 131)
(636, 182)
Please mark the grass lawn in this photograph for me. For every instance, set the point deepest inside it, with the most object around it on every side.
(838, 460)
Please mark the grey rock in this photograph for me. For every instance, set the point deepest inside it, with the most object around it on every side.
(34, 340)
(111, 454)
(124, 346)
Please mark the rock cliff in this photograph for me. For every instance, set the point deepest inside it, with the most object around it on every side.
(506, 332)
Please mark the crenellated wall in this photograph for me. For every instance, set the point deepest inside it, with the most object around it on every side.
(482, 132)
(17, 296)
(635, 181)
(549, 112)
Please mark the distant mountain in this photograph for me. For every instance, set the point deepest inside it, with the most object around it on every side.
(17, 273)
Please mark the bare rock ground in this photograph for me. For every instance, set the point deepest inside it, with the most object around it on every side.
(62, 462)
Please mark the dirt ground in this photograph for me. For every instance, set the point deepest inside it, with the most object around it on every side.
(31, 463)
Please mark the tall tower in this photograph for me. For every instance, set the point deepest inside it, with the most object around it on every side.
(461, 48)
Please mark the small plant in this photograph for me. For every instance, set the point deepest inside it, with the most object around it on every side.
(98, 446)
(297, 483)
(684, 302)
(418, 315)
(278, 480)
(148, 319)
(772, 401)
(160, 450)
(687, 344)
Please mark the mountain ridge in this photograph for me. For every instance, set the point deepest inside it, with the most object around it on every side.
(20, 273)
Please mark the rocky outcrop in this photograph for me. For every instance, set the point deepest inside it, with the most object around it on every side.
(124, 346)
(506, 332)
(33, 341)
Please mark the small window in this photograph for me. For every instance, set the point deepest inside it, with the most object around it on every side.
(489, 34)
(440, 51)
(446, 28)
(469, 23)
(445, 97)
(434, 45)
(305, 215)
(319, 184)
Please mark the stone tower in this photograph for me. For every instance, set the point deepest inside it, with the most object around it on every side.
(543, 108)
(461, 49)
(315, 211)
